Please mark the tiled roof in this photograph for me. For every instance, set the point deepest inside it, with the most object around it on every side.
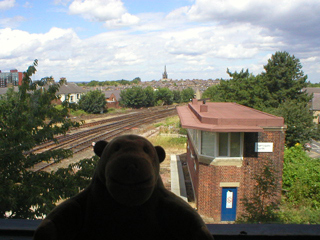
(316, 101)
(311, 90)
(70, 88)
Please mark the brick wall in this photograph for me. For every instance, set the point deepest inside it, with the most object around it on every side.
(209, 177)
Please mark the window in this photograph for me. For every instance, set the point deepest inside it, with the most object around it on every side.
(229, 144)
(207, 147)
(213, 144)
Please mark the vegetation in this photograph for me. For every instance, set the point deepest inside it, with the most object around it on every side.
(93, 102)
(301, 187)
(27, 119)
(137, 97)
(95, 83)
(261, 207)
(277, 91)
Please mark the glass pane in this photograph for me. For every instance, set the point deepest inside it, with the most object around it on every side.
(223, 144)
(235, 145)
(208, 140)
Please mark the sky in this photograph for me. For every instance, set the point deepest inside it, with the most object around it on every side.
(84, 40)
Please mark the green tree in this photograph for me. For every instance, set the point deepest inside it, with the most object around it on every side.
(27, 119)
(187, 94)
(284, 79)
(301, 180)
(299, 120)
(176, 96)
(243, 88)
(93, 102)
(150, 97)
(134, 97)
(262, 207)
(165, 95)
(136, 80)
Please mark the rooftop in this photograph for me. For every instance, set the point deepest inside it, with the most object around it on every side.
(226, 117)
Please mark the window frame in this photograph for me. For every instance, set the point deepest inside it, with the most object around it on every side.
(196, 138)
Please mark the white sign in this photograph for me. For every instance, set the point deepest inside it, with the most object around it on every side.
(264, 147)
(229, 199)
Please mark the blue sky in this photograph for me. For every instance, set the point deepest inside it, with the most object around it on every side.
(84, 40)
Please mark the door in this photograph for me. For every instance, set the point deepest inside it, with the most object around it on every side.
(229, 204)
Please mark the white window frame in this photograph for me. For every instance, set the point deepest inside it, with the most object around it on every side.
(195, 136)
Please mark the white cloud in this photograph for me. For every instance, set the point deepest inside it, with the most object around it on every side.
(125, 20)
(112, 12)
(11, 22)
(225, 35)
(98, 10)
(6, 4)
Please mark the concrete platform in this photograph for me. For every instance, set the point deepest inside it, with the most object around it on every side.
(178, 185)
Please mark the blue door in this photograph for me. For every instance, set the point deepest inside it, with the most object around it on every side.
(229, 204)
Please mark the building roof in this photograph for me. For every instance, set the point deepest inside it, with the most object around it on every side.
(311, 90)
(315, 102)
(226, 117)
(115, 92)
(70, 88)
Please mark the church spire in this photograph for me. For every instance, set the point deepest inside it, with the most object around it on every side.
(165, 75)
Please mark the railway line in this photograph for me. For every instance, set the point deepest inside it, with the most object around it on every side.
(106, 129)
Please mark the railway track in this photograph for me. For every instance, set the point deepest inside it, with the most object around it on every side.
(100, 130)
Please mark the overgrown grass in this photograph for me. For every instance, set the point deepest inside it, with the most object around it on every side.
(78, 113)
(169, 142)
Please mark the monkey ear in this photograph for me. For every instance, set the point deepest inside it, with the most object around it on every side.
(99, 147)
(161, 153)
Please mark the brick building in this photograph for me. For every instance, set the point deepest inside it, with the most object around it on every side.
(227, 145)
(12, 78)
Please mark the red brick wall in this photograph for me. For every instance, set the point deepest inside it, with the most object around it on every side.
(208, 190)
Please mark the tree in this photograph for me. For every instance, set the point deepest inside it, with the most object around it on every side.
(299, 120)
(150, 97)
(277, 91)
(93, 102)
(262, 207)
(164, 95)
(176, 96)
(284, 79)
(136, 80)
(27, 119)
(301, 180)
(134, 97)
(243, 88)
(187, 94)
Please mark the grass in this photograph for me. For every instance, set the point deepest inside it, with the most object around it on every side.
(169, 142)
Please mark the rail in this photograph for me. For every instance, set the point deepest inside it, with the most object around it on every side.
(100, 130)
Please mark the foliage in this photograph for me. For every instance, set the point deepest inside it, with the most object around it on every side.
(176, 96)
(277, 91)
(299, 120)
(301, 178)
(168, 142)
(95, 83)
(93, 102)
(134, 97)
(27, 119)
(304, 214)
(261, 207)
(150, 97)
(284, 79)
(165, 95)
(187, 95)
(244, 88)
